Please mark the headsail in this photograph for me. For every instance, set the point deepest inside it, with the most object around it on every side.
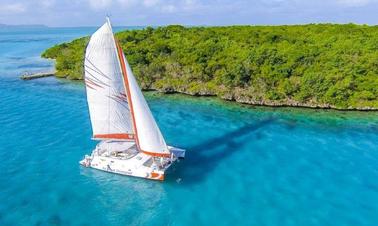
(148, 135)
(106, 96)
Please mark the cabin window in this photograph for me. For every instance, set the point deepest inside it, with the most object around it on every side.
(148, 163)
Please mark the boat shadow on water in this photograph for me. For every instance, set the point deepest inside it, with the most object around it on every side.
(202, 158)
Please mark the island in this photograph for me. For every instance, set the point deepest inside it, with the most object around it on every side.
(315, 65)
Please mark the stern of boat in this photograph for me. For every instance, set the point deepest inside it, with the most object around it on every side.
(156, 175)
(86, 161)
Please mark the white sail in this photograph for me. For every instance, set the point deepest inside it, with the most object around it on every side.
(106, 95)
(120, 116)
(148, 135)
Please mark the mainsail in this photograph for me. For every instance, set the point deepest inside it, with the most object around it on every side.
(106, 96)
(117, 106)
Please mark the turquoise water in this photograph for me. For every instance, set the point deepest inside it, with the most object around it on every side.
(244, 165)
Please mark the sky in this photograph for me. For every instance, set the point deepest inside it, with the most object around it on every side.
(72, 13)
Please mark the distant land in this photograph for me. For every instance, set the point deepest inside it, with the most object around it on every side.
(315, 65)
(22, 26)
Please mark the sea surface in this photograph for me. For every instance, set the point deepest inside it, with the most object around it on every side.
(245, 165)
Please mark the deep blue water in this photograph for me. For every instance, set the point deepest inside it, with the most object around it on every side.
(245, 165)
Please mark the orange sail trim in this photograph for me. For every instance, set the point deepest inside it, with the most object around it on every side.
(121, 136)
(127, 88)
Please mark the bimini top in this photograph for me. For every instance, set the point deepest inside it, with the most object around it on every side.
(117, 107)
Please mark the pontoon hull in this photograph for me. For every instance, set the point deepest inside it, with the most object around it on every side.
(142, 174)
(136, 165)
(129, 167)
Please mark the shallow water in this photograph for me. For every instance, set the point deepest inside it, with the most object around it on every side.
(245, 165)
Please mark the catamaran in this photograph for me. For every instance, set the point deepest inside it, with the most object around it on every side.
(131, 142)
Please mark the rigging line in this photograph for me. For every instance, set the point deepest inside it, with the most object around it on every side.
(97, 70)
(125, 119)
(117, 124)
(119, 118)
(87, 67)
(113, 90)
(120, 98)
(87, 85)
(121, 103)
(93, 79)
(88, 81)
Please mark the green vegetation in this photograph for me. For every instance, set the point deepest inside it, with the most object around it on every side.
(312, 65)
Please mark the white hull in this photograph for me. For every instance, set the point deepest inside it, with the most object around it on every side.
(136, 164)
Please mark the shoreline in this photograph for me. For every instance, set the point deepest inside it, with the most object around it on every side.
(273, 105)
(241, 100)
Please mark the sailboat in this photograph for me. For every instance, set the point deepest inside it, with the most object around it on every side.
(130, 141)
